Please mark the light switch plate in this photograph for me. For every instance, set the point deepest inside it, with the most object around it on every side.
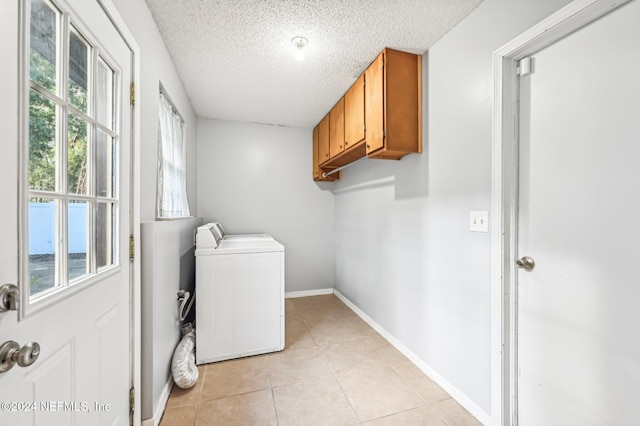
(479, 221)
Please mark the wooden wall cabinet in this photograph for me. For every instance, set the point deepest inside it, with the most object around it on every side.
(380, 116)
(393, 105)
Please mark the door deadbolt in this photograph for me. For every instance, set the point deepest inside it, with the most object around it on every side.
(11, 354)
(9, 297)
(525, 263)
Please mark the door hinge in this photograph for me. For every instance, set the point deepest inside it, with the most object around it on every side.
(132, 247)
(132, 95)
(132, 399)
(384, 134)
(524, 67)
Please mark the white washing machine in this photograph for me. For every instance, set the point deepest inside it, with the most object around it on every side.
(240, 296)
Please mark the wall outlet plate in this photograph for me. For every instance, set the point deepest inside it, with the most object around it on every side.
(479, 221)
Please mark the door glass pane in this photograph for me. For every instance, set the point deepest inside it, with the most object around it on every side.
(77, 155)
(104, 86)
(43, 215)
(104, 234)
(43, 56)
(78, 224)
(104, 165)
(79, 52)
(42, 143)
(72, 161)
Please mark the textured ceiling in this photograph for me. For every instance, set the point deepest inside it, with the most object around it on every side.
(237, 61)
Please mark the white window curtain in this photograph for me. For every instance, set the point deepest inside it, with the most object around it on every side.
(172, 180)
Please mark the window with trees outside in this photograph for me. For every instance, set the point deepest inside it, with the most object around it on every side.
(72, 153)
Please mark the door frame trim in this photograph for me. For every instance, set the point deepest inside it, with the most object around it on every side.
(504, 193)
(135, 309)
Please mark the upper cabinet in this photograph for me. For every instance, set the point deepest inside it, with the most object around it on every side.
(393, 111)
(380, 116)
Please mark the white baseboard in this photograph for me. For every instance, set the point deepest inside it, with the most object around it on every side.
(455, 393)
(162, 404)
(306, 293)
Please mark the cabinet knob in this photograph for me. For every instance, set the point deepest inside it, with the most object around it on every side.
(340, 146)
(368, 146)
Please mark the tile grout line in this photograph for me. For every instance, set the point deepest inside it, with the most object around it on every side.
(381, 364)
(333, 374)
(275, 409)
(360, 421)
(199, 399)
(426, 404)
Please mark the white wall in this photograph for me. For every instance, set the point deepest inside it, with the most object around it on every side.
(404, 252)
(157, 67)
(167, 257)
(257, 178)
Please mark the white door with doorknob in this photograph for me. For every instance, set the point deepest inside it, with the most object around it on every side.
(578, 322)
(64, 225)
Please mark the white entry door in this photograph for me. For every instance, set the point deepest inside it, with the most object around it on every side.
(578, 316)
(65, 221)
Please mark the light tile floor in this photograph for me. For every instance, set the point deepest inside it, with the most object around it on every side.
(335, 370)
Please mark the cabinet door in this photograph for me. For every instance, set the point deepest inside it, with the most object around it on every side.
(354, 130)
(374, 104)
(316, 164)
(323, 140)
(336, 129)
(402, 75)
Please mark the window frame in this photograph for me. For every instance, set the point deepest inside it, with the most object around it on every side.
(63, 286)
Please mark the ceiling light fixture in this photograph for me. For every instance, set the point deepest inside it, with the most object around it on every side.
(300, 43)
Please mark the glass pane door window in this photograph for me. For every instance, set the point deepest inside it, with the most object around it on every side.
(72, 160)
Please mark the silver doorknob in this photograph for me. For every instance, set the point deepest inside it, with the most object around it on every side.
(11, 354)
(9, 297)
(28, 354)
(525, 263)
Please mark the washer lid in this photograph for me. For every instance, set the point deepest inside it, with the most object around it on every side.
(247, 237)
(241, 246)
